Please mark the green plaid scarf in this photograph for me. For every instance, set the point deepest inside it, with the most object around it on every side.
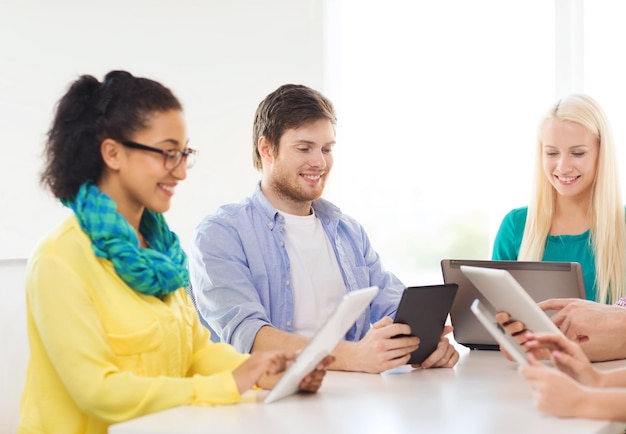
(157, 270)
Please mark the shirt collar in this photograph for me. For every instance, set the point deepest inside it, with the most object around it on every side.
(324, 209)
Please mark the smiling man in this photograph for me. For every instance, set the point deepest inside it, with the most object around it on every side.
(268, 271)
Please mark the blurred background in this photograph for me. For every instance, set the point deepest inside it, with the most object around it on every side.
(438, 102)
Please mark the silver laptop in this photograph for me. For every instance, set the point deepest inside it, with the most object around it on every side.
(542, 280)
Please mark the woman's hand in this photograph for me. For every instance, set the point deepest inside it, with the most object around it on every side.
(554, 392)
(262, 368)
(310, 383)
(566, 355)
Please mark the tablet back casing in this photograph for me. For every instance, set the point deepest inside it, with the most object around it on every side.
(323, 342)
(506, 295)
(425, 309)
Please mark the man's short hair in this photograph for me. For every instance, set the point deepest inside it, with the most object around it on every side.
(289, 106)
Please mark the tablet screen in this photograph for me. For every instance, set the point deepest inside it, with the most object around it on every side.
(507, 341)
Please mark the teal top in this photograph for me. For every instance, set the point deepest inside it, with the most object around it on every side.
(565, 248)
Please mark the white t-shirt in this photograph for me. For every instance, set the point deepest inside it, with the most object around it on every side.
(317, 281)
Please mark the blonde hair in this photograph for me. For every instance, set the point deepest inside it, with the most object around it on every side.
(608, 226)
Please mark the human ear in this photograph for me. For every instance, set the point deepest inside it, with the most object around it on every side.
(265, 150)
(111, 152)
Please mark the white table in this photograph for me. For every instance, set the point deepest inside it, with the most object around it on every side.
(483, 394)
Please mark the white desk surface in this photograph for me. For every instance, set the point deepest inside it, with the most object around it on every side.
(483, 394)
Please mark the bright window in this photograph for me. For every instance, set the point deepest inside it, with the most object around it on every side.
(439, 104)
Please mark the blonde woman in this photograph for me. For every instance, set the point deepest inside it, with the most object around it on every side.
(576, 212)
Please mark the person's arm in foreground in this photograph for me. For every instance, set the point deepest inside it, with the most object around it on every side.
(558, 392)
(262, 369)
(376, 352)
(600, 329)
(568, 357)
(379, 351)
(560, 395)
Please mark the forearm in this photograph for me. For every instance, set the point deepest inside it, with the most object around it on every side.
(127, 396)
(607, 341)
(269, 339)
(606, 404)
(613, 378)
(619, 337)
(603, 353)
(344, 358)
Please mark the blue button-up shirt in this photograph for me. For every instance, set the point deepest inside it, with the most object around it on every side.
(241, 277)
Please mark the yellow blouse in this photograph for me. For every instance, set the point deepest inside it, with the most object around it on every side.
(102, 353)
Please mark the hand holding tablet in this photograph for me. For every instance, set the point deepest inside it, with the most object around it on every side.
(425, 309)
(506, 295)
(325, 340)
(503, 338)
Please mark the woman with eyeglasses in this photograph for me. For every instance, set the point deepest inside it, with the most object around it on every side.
(112, 332)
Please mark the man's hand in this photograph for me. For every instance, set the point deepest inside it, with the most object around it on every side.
(379, 350)
(598, 328)
(444, 356)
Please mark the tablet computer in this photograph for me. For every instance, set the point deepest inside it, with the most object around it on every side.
(323, 342)
(505, 294)
(425, 309)
(506, 341)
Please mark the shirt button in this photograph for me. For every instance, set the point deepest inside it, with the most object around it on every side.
(287, 283)
(270, 225)
(282, 244)
(288, 323)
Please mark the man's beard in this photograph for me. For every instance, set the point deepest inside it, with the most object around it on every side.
(292, 191)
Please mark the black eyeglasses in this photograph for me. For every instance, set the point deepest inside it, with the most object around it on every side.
(172, 157)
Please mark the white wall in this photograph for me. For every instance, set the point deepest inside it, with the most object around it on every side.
(438, 102)
(451, 94)
(13, 342)
(219, 57)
